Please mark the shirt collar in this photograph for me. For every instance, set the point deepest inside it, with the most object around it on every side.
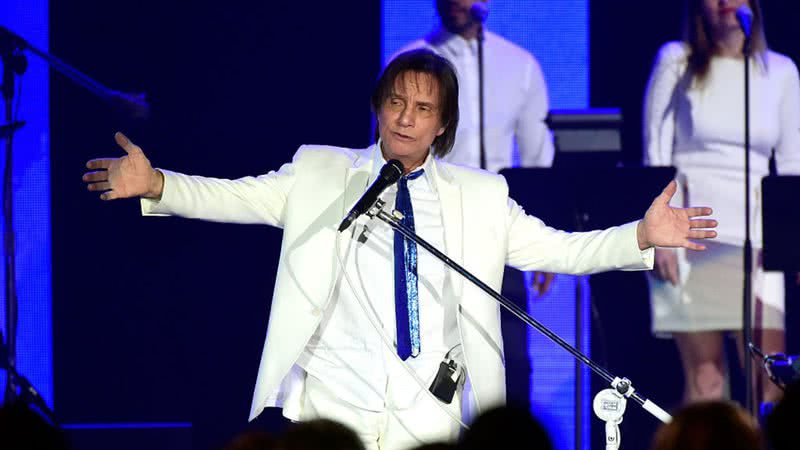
(378, 161)
(453, 43)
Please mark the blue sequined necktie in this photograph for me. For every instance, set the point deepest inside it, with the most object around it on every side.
(406, 296)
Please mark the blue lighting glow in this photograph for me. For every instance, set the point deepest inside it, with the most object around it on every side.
(125, 425)
(29, 18)
(557, 33)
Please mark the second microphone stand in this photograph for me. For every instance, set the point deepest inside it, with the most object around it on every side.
(481, 117)
(747, 327)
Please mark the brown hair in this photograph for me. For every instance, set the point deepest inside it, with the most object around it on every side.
(319, 434)
(698, 35)
(709, 425)
(427, 62)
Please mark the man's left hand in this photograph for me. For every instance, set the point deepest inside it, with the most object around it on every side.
(665, 226)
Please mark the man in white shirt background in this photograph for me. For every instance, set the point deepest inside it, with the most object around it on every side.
(515, 93)
(515, 135)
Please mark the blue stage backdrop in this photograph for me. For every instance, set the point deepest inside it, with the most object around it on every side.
(557, 33)
(31, 182)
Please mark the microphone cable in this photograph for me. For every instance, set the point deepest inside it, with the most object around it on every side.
(373, 320)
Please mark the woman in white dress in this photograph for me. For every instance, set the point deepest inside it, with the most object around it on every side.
(693, 120)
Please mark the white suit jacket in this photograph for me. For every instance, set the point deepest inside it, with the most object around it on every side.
(484, 230)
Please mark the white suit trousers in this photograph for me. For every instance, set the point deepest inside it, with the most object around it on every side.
(391, 429)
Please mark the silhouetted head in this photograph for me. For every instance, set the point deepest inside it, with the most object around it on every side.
(319, 434)
(506, 427)
(252, 440)
(709, 426)
(782, 422)
(22, 428)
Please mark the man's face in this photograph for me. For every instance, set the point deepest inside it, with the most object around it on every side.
(455, 14)
(410, 118)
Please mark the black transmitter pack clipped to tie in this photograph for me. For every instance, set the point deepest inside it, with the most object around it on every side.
(446, 381)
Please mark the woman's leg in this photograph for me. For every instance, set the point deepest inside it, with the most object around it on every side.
(703, 358)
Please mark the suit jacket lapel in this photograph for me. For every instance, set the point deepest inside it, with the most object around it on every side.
(452, 220)
(357, 179)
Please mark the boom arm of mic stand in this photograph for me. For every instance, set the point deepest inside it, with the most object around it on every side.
(134, 104)
(622, 385)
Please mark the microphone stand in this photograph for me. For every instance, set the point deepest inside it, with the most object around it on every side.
(14, 63)
(748, 247)
(621, 388)
(12, 48)
(27, 393)
(481, 124)
(133, 105)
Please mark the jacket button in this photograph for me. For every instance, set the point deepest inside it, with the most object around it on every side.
(316, 312)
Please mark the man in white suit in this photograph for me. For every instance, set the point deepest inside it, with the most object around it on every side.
(514, 111)
(333, 347)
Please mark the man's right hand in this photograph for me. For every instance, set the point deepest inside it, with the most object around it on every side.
(666, 265)
(128, 176)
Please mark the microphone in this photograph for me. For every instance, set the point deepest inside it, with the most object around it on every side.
(745, 17)
(479, 11)
(390, 173)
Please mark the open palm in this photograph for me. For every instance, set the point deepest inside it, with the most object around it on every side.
(665, 226)
(128, 176)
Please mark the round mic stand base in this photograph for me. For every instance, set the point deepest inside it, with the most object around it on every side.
(609, 406)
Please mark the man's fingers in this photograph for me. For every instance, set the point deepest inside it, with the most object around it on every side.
(699, 211)
(672, 272)
(92, 177)
(694, 246)
(548, 280)
(660, 267)
(109, 195)
(535, 284)
(667, 193)
(702, 234)
(101, 186)
(100, 163)
(703, 223)
(126, 143)
(661, 271)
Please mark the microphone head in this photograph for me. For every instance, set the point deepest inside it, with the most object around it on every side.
(392, 171)
(744, 11)
(745, 17)
(479, 11)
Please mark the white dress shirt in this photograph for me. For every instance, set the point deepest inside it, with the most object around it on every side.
(515, 102)
(346, 351)
(700, 130)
